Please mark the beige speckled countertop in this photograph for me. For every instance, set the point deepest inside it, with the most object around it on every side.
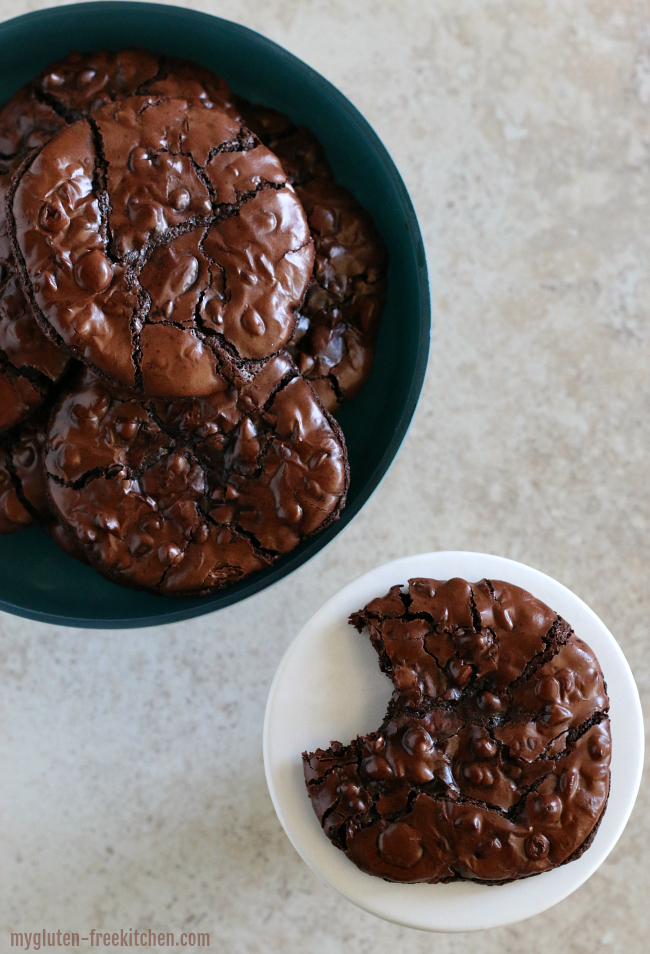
(132, 791)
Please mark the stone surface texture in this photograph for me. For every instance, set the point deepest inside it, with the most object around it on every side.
(132, 789)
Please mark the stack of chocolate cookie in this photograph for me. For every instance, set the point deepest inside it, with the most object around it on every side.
(186, 296)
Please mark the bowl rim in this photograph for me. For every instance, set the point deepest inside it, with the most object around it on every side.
(306, 700)
(289, 563)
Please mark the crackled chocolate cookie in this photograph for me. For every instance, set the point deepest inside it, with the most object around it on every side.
(23, 485)
(492, 762)
(338, 322)
(161, 243)
(71, 88)
(301, 154)
(29, 362)
(61, 94)
(14, 512)
(181, 496)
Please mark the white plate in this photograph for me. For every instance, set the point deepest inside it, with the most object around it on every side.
(329, 686)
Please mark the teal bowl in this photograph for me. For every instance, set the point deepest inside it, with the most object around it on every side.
(39, 581)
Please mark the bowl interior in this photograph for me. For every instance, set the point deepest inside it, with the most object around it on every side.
(38, 580)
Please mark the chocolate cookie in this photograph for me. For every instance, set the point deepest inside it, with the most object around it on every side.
(75, 86)
(14, 512)
(23, 485)
(301, 154)
(161, 243)
(29, 362)
(187, 495)
(338, 322)
(61, 94)
(492, 762)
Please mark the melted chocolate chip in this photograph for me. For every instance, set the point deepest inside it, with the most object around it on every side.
(93, 271)
(400, 845)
